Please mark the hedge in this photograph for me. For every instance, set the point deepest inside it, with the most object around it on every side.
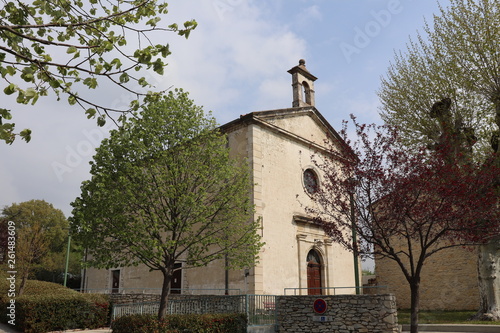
(46, 307)
(207, 323)
(34, 287)
(39, 314)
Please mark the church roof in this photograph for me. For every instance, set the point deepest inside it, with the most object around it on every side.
(266, 118)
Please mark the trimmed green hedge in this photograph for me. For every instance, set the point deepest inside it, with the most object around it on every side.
(34, 287)
(46, 307)
(207, 323)
(38, 314)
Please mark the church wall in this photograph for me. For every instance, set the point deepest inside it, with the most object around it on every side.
(137, 278)
(448, 281)
(278, 153)
(283, 196)
(303, 126)
(277, 163)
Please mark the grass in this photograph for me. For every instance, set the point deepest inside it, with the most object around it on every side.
(442, 317)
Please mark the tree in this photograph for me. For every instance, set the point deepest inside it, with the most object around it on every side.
(407, 205)
(41, 230)
(164, 189)
(461, 141)
(457, 61)
(4, 239)
(66, 45)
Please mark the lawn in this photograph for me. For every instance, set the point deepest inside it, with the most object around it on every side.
(442, 317)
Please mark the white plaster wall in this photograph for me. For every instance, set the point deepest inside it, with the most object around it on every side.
(283, 196)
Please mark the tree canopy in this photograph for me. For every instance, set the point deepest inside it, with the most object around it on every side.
(458, 58)
(164, 189)
(452, 73)
(404, 205)
(65, 46)
(41, 232)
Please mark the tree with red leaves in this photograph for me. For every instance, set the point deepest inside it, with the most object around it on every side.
(404, 205)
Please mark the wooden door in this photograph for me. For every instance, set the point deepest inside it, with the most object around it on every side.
(313, 278)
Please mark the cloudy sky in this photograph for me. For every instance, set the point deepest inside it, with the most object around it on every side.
(235, 62)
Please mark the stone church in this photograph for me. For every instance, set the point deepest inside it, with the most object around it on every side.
(278, 145)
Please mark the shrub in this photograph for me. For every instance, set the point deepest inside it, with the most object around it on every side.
(47, 306)
(207, 323)
(44, 313)
(34, 287)
(140, 323)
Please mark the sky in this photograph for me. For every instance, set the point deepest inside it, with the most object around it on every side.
(235, 62)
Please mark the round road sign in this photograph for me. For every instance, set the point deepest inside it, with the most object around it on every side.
(319, 306)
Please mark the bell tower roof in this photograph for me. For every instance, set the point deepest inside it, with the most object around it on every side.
(302, 85)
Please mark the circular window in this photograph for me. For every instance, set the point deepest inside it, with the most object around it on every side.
(310, 181)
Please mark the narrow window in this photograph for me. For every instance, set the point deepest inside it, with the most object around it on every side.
(311, 181)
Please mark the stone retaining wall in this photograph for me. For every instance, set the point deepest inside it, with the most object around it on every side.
(344, 314)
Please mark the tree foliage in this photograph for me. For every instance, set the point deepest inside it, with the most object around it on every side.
(41, 232)
(66, 45)
(458, 58)
(407, 205)
(453, 71)
(164, 190)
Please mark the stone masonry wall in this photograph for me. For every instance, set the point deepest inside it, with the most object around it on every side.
(133, 298)
(344, 314)
(448, 281)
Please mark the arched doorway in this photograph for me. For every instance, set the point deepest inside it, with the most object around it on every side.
(313, 273)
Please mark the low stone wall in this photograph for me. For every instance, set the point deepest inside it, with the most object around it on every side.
(344, 314)
(133, 298)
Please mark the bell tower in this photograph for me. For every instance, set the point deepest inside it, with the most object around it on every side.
(302, 85)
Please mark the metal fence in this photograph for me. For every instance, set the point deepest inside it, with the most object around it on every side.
(370, 290)
(120, 310)
(260, 309)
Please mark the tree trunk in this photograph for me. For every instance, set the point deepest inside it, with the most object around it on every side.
(24, 278)
(415, 304)
(488, 267)
(165, 292)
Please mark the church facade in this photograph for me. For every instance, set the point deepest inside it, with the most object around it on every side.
(298, 257)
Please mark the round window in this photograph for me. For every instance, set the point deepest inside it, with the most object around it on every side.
(310, 181)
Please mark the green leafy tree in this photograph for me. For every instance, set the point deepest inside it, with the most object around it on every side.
(164, 189)
(66, 45)
(41, 231)
(446, 86)
(456, 59)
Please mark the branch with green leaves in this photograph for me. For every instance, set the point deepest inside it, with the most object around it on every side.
(66, 46)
